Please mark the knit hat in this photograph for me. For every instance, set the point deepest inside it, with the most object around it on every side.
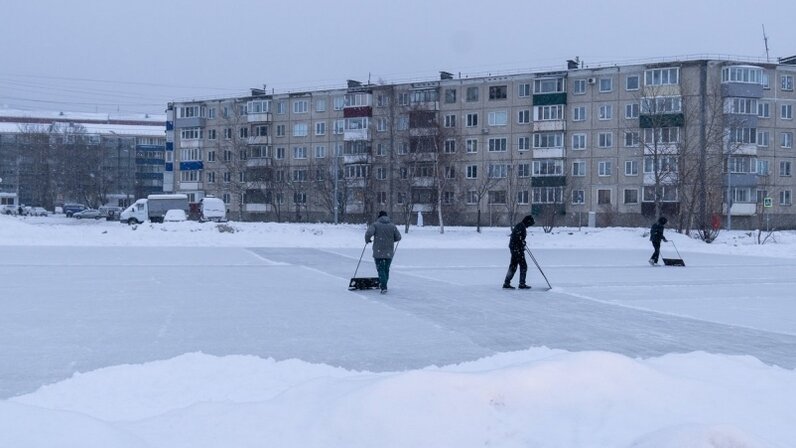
(382, 213)
(528, 221)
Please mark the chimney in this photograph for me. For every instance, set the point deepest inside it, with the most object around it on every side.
(445, 75)
(352, 84)
(573, 64)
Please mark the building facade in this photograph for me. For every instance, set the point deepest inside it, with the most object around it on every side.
(49, 158)
(707, 142)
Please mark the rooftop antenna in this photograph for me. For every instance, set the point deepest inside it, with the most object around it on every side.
(765, 41)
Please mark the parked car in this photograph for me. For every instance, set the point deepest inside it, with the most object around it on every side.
(8, 209)
(89, 213)
(175, 215)
(38, 211)
(71, 208)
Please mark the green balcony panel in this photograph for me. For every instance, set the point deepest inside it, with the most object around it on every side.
(661, 120)
(547, 99)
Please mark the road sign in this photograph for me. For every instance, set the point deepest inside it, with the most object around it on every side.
(768, 202)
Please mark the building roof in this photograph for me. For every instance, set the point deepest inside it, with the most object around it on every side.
(12, 121)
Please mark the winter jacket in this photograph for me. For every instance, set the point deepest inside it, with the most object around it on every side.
(384, 234)
(517, 239)
(656, 233)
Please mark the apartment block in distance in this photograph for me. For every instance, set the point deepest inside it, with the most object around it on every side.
(706, 141)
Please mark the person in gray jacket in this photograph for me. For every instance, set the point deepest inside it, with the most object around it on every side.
(384, 235)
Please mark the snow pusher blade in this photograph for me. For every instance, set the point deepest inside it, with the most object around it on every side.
(363, 283)
(673, 262)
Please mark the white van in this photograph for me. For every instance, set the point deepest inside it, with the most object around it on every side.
(212, 209)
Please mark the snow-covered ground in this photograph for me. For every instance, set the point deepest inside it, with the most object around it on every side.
(183, 335)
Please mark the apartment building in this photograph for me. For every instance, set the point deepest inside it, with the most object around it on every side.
(706, 141)
(48, 158)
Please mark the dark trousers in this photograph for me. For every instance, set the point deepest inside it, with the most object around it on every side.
(517, 259)
(657, 246)
(383, 268)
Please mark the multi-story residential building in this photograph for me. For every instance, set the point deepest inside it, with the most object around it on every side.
(48, 158)
(705, 141)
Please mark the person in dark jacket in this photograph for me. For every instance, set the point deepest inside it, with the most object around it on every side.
(656, 236)
(384, 234)
(517, 248)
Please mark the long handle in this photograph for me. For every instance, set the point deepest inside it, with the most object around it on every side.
(360, 259)
(538, 267)
(675, 248)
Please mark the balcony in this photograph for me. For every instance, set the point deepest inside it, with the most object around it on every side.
(261, 117)
(356, 134)
(426, 105)
(257, 208)
(549, 125)
(356, 158)
(258, 162)
(741, 209)
(259, 140)
(425, 182)
(742, 149)
(192, 122)
(190, 144)
(548, 153)
(666, 179)
(189, 186)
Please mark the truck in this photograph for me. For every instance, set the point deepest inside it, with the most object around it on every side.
(153, 208)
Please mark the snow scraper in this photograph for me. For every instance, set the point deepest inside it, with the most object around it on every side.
(362, 282)
(674, 261)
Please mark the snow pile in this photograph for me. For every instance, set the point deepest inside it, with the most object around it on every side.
(538, 397)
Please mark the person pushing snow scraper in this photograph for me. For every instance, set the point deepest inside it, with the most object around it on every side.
(384, 234)
(517, 249)
(656, 236)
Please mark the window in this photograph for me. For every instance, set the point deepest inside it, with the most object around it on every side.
(523, 170)
(300, 106)
(320, 105)
(606, 84)
(548, 140)
(299, 152)
(668, 164)
(742, 74)
(260, 131)
(548, 85)
(211, 177)
(227, 177)
(472, 94)
(382, 100)
(211, 134)
(579, 113)
(631, 196)
(762, 167)
(605, 168)
(579, 87)
(497, 144)
(578, 141)
(548, 195)
(548, 167)
(472, 145)
(743, 106)
(381, 124)
(523, 197)
(381, 173)
(320, 128)
(450, 146)
(498, 92)
(785, 197)
(190, 154)
(603, 197)
(300, 130)
(357, 99)
(786, 82)
(450, 172)
(211, 156)
(472, 197)
(632, 82)
(190, 133)
(381, 149)
(784, 168)
(762, 139)
(338, 102)
(579, 168)
(524, 116)
(450, 121)
(786, 112)
(763, 109)
(523, 90)
(227, 156)
(339, 126)
(631, 139)
(450, 96)
(544, 113)
(523, 143)
(472, 171)
(631, 110)
(661, 105)
(472, 120)
(662, 77)
(631, 168)
(578, 196)
(403, 123)
(299, 175)
(497, 197)
(280, 130)
(786, 140)
(668, 136)
(605, 139)
(189, 176)
(497, 170)
(281, 108)
(606, 112)
(403, 98)
(498, 118)
(280, 152)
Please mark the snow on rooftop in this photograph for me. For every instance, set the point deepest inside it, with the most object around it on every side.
(65, 115)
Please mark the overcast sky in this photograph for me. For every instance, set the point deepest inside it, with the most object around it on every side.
(134, 56)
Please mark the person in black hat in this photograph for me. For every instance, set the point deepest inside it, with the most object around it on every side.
(517, 248)
(656, 236)
(384, 235)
